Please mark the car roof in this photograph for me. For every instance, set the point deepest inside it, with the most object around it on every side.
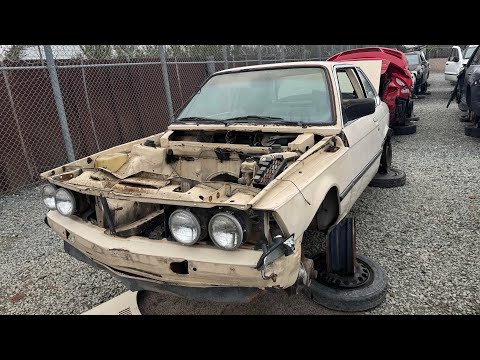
(293, 64)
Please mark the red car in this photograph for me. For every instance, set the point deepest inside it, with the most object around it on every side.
(395, 84)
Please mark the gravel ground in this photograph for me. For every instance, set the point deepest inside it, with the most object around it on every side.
(425, 234)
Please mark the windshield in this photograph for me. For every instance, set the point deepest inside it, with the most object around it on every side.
(413, 59)
(273, 95)
(467, 53)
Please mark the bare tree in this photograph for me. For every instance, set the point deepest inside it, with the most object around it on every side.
(97, 51)
(128, 51)
(16, 52)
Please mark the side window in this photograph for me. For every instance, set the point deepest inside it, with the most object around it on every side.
(346, 87)
(350, 89)
(369, 90)
(349, 84)
(453, 53)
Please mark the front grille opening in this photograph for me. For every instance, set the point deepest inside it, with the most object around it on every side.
(179, 267)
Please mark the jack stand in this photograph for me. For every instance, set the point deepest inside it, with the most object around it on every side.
(346, 281)
(339, 267)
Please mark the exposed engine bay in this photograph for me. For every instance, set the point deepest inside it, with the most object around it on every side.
(134, 188)
(205, 167)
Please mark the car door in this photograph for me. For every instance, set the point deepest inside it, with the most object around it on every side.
(362, 134)
(453, 64)
(426, 63)
(472, 82)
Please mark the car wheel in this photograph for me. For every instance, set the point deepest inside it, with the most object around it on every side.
(393, 178)
(423, 88)
(473, 131)
(386, 159)
(406, 129)
(368, 295)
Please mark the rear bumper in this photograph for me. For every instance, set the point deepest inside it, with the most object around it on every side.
(144, 264)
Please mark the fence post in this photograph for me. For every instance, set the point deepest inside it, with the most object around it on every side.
(319, 50)
(166, 82)
(57, 95)
(210, 64)
(259, 54)
(282, 53)
(225, 56)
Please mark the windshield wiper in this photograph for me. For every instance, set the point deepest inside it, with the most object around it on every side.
(253, 117)
(195, 118)
(264, 119)
(199, 119)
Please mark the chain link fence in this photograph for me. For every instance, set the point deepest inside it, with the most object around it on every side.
(60, 103)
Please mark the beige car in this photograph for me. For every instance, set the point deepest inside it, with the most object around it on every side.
(216, 206)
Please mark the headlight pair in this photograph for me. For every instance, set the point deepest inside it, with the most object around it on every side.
(224, 228)
(60, 199)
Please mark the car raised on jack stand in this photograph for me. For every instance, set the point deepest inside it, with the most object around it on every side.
(215, 207)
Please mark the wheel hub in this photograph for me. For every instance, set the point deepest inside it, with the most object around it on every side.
(361, 276)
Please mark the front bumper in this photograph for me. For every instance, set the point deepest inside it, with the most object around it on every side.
(151, 260)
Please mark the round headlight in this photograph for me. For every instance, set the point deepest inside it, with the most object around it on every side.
(65, 202)
(184, 227)
(226, 231)
(48, 196)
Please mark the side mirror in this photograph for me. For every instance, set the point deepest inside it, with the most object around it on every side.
(455, 59)
(357, 108)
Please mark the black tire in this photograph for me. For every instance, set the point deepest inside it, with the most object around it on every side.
(406, 129)
(362, 298)
(394, 178)
(386, 159)
(472, 131)
(423, 88)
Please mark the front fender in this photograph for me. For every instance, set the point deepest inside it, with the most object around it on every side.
(295, 197)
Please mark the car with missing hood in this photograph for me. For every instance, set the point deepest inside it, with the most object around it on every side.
(467, 93)
(395, 83)
(216, 206)
(457, 60)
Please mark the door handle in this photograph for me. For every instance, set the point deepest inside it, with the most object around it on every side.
(470, 73)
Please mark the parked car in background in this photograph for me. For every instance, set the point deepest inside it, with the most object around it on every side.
(420, 69)
(456, 60)
(467, 93)
(395, 83)
(216, 206)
